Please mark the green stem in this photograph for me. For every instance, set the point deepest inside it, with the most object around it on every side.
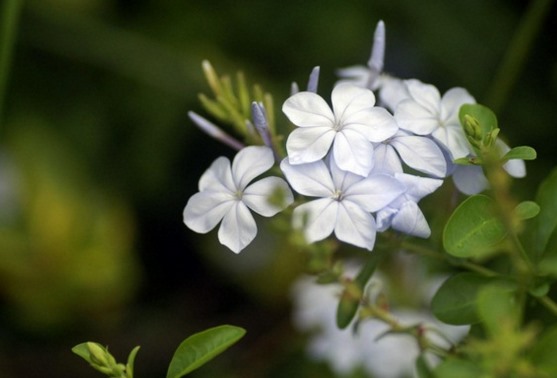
(9, 17)
(549, 304)
(516, 54)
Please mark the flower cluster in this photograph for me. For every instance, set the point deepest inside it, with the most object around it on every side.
(365, 165)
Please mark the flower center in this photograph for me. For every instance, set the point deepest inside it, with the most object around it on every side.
(337, 195)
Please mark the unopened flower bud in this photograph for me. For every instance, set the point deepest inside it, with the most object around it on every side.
(313, 81)
(472, 130)
(98, 355)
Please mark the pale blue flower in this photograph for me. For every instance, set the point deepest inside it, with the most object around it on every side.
(345, 201)
(225, 194)
(403, 213)
(349, 128)
(418, 152)
(425, 112)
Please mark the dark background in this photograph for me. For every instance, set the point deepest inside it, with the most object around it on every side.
(92, 244)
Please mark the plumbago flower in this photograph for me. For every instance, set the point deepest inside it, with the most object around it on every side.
(421, 112)
(349, 128)
(345, 203)
(403, 214)
(420, 153)
(425, 112)
(225, 193)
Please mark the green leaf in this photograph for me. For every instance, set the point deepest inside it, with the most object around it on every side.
(521, 152)
(543, 353)
(455, 301)
(540, 290)
(457, 368)
(548, 266)
(485, 117)
(496, 305)
(82, 351)
(348, 304)
(546, 221)
(473, 230)
(526, 210)
(422, 367)
(201, 347)
(131, 362)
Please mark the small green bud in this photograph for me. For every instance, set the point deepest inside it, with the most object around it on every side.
(491, 137)
(472, 129)
(212, 77)
(98, 354)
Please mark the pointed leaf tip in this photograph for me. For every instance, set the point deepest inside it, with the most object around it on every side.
(201, 347)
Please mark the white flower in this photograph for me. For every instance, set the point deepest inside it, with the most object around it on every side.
(379, 354)
(425, 112)
(349, 127)
(403, 214)
(418, 152)
(224, 194)
(345, 203)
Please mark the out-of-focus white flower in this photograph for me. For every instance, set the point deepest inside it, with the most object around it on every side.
(345, 202)
(425, 112)
(225, 193)
(349, 128)
(382, 356)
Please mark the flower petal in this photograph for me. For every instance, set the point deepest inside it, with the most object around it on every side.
(418, 187)
(515, 167)
(308, 109)
(349, 99)
(205, 210)
(355, 226)
(413, 117)
(392, 91)
(249, 163)
(258, 196)
(384, 218)
(218, 177)
(453, 139)
(374, 192)
(352, 152)
(411, 221)
(385, 159)
(469, 179)
(238, 228)
(426, 95)
(318, 218)
(451, 102)
(342, 179)
(422, 154)
(306, 145)
(311, 179)
(375, 124)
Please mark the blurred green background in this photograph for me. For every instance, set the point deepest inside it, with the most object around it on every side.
(98, 158)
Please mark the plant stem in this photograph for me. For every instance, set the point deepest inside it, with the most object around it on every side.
(9, 17)
(516, 54)
(549, 304)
